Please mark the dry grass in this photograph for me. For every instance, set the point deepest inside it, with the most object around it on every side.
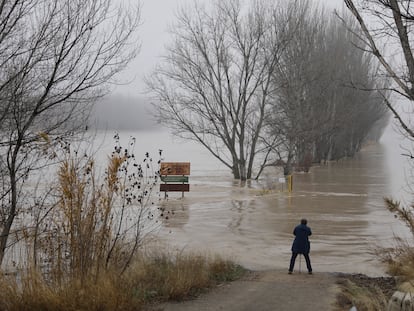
(180, 276)
(35, 293)
(400, 259)
(374, 293)
(88, 254)
(363, 298)
(97, 223)
(364, 292)
(150, 279)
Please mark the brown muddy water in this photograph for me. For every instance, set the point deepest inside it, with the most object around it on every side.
(252, 224)
(343, 202)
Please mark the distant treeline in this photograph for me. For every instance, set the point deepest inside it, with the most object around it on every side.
(118, 112)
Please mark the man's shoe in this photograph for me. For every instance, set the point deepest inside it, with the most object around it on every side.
(290, 272)
(310, 272)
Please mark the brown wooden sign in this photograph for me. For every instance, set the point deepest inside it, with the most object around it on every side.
(175, 168)
(175, 187)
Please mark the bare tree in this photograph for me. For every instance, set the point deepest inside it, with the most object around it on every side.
(56, 58)
(353, 105)
(388, 36)
(214, 84)
(301, 85)
(317, 112)
(387, 32)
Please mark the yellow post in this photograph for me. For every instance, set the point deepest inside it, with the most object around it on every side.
(290, 183)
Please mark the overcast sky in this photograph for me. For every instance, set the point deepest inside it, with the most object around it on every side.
(153, 33)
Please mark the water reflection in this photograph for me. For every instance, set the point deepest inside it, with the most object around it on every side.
(174, 214)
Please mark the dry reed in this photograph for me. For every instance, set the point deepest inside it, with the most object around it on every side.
(151, 278)
(86, 257)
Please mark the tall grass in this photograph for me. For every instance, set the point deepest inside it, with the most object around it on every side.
(400, 259)
(87, 248)
(97, 222)
(178, 276)
(364, 297)
(149, 279)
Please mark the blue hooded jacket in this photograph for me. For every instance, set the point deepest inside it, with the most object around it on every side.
(301, 244)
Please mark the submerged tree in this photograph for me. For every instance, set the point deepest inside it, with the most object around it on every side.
(264, 84)
(56, 58)
(213, 86)
(319, 110)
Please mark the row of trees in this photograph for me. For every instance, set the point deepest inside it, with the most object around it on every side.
(263, 84)
(326, 102)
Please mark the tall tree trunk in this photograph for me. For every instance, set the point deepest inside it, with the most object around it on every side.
(12, 212)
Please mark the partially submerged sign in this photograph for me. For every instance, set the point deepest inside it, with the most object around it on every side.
(175, 176)
(175, 168)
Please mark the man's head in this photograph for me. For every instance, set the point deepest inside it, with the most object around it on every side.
(303, 221)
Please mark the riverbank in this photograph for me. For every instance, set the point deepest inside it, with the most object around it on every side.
(276, 290)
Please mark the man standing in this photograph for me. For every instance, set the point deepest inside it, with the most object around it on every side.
(301, 245)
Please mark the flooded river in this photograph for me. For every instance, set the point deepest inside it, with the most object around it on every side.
(253, 224)
(343, 202)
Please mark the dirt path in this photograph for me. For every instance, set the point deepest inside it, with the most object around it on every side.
(267, 291)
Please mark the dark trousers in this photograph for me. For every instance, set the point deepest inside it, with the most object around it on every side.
(293, 258)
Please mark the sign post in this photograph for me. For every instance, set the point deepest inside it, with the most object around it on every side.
(290, 182)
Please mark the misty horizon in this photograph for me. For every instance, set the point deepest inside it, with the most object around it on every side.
(120, 112)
